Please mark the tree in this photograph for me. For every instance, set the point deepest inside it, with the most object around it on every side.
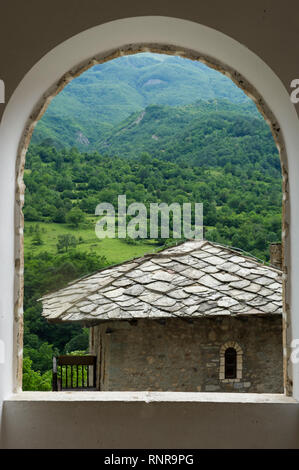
(37, 239)
(41, 356)
(34, 380)
(75, 217)
(79, 342)
(65, 242)
(59, 217)
(31, 213)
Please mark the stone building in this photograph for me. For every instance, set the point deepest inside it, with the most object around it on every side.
(195, 317)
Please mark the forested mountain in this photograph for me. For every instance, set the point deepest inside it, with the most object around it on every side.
(157, 129)
(221, 154)
(213, 133)
(108, 93)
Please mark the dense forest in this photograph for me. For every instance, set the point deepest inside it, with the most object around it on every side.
(218, 151)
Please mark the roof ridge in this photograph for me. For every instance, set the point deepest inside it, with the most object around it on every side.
(245, 254)
(160, 254)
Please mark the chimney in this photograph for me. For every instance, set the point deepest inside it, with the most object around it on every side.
(276, 255)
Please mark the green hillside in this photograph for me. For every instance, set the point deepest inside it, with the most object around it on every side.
(205, 133)
(108, 93)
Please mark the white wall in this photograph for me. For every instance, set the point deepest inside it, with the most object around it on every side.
(140, 423)
(23, 421)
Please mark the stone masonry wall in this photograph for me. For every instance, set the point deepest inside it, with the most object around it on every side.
(179, 355)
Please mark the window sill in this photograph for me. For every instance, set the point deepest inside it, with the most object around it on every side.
(151, 397)
(227, 381)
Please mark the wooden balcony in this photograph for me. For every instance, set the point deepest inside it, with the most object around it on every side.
(74, 373)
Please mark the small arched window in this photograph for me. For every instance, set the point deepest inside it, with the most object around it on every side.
(230, 360)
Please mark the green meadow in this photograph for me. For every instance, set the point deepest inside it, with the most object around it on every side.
(115, 250)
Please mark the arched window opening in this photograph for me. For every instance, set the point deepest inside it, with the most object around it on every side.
(70, 192)
(230, 363)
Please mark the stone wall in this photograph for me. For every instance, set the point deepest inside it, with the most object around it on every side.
(182, 355)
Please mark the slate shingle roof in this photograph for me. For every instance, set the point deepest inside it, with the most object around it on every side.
(194, 279)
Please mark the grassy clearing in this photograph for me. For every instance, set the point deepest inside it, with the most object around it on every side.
(115, 250)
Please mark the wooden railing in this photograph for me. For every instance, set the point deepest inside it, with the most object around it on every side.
(74, 373)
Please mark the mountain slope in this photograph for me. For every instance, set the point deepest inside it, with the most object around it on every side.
(108, 93)
(211, 133)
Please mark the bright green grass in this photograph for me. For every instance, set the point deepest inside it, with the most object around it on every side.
(115, 250)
